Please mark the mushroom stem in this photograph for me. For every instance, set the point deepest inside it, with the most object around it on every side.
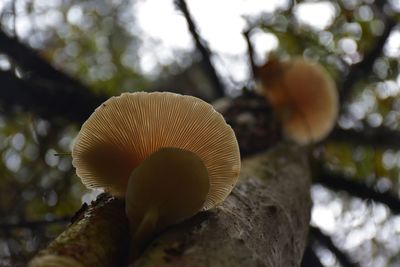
(171, 185)
(144, 231)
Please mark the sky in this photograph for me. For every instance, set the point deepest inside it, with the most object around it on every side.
(221, 27)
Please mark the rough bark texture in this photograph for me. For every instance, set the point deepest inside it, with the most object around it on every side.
(97, 237)
(264, 222)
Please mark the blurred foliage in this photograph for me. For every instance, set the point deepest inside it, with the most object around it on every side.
(96, 32)
(100, 43)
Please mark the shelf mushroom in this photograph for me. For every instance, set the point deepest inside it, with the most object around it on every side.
(169, 155)
(304, 97)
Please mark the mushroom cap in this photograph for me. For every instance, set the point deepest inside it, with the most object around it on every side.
(125, 130)
(305, 97)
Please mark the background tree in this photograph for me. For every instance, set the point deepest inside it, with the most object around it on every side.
(60, 59)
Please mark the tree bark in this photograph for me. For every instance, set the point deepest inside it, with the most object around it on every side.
(264, 222)
(97, 237)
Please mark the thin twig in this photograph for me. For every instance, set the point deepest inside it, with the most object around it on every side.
(202, 48)
(250, 50)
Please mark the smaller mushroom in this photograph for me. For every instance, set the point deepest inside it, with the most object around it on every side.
(303, 95)
(169, 155)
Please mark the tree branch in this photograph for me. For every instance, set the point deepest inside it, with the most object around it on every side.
(339, 182)
(326, 241)
(310, 259)
(202, 48)
(48, 99)
(376, 137)
(360, 70)
(34, 223)
(250, 51)
(44, 90)
(251, 118)
(264, 222)
(28, 60)
(99, 237)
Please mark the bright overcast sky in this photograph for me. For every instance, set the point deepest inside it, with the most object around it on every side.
(221, 24)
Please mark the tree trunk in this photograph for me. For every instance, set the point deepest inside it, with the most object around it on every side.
(264, 222)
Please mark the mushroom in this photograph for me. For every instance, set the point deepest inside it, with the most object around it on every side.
(169, 155)
(303, 95)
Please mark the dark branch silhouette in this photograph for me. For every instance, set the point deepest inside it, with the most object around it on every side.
(376, 137)
(34, 223)
(202, 48)
(47, 98)
(327, 242)
(250, 50)
(360, 70)
(339, 182)
(43, 90)
(28, 60)
(310, 259)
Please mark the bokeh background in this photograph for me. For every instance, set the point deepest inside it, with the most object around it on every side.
(114, 46)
